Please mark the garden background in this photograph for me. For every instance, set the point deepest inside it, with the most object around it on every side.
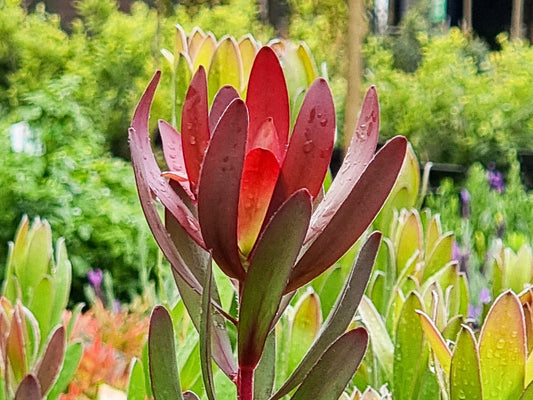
(66, 101)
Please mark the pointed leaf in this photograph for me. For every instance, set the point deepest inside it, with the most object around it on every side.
(248, 50)
(136, 384)
(440, 256)
(188, 395)
(267, 96)
(28, 389)
(195, 40)
(222, 100)
(304, 54)
(409, 240)
(42, 303)
(180, 40)
(341, 315)
(225, 67)
(502, 343)
(195, 127)
(205, 337)
(70, 364)
(205, 52)
(436, 341)
(346, 211)
(310, 148)
(306, 323)
(16, 346)
(52, 360)
(218, 195)
(148, 178)
(270, 264)
(62, 276)
(38, 258)
(173, 151)
(465, 379)
(334, 370)
(410, 356)
(528, 393)
(259, 176)
(380, 340)
(164, 373)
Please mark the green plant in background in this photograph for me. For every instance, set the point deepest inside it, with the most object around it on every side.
(208, 212)
(38, 360)
(497, 364)
(468, 111)
(228, 62)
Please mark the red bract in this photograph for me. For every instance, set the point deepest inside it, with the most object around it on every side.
(235, 168)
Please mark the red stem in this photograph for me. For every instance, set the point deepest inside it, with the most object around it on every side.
(245, 384)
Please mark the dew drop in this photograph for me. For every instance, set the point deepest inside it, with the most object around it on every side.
(312, 115)
(323, 122)
(189, 126)
(192, 140)
(308, 146)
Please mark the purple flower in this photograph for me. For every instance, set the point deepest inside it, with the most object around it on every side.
(495, 178)
(474, 312)
(460, 255)
(465, 203)
(95, 278)
(484, 296)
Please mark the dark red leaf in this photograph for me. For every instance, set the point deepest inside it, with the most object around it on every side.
(222, 100)
(173, 151)
(311, 144)
(345, 213)
(195, 126)
(220, 182)
(52, 360)
(267, 96)
(28, 389)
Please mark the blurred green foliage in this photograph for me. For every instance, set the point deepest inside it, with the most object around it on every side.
(460, 104)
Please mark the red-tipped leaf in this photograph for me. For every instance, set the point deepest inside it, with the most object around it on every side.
(28, 389)
(52, 361)
(195, 126)
(218, 194)
(347, 213)
(267, 96)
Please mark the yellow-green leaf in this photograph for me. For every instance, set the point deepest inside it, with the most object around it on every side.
(436, 341)
(465, 379)
(225, 68)
(502, 349)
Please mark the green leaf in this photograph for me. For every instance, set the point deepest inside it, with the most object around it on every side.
(341, 315)
(39, 256)
(136, 384)
(409, 240)
(205, 336)
(270, 265)
(41, 305)
(440, 256)
(225, 67)
(465, 378)
(502, 349)
(265, 372)
(410, 354)
(305, 326)
(164, 375)
(70, 365)
(335, 368)
(528, 393)
(380, 341)
(62, 278)
(436, 341)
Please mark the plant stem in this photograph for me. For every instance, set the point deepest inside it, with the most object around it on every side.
(245, 384)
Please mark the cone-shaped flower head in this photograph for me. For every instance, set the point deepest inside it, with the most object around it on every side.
(237, 173)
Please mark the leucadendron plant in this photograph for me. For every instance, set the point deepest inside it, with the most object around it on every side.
(36, 359)
(244, 190)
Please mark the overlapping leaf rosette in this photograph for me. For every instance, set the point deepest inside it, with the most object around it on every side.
(244, 189)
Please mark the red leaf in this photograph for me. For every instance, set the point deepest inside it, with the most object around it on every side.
(173, 152)
(346, 212)
(195, 126)
(259, 177)
(267, 96)
(222, 100)
(218, 194)
(148, 178)
(267, 138)
(309, 153)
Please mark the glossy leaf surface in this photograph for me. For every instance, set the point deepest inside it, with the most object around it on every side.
(465, 378)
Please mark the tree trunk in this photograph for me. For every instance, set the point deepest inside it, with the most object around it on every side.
(467, 16)
(516, 19)
(278, 16)
(357, 28)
